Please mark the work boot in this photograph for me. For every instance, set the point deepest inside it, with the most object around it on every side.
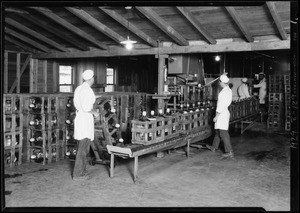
(228, 154)
(211, 148)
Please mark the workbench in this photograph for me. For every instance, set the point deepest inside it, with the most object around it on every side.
(136, 150)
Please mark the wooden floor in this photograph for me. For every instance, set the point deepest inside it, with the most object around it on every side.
(259, 176)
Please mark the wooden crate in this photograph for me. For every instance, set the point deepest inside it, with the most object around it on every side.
(148, 132)
(275, 97)
(171, 127)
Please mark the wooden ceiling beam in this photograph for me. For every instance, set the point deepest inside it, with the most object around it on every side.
(276, 18)
(35, 34)
(163, 25)
(240, 23)
(207, 48)
(70, 27)
(58, 33)
(129, 26)
(80, 13)
(27, 40)
(189, 16)
(20, 44)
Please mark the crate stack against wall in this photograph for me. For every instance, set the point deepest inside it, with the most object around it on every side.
(43, 129)
(69, 143)
(276, 103)
(13, 130)
(287, 102)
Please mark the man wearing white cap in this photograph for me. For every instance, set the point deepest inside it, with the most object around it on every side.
(222, 119)
(84, 99)
(262, 85)
(243, 90)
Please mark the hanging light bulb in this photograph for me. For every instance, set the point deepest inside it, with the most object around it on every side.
(128, 43)
(217, 58)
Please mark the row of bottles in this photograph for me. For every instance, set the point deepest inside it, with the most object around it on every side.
(71, 143)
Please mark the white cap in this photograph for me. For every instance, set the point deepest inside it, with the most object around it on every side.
(87, 74)
(244, 80)
(224, 78)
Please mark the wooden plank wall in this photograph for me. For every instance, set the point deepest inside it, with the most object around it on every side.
(99, 67)
(16, 69)
(43, 76)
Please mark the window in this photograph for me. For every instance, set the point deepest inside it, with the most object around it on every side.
(65, 78)
(110, 80)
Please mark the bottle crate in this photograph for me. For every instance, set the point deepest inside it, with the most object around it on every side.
(287, 88)
(287, 125)
(276, 88)
(286, 80)
(275, 79)
(275, 97)
(13, 145)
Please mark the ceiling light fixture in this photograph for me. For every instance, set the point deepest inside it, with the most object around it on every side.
(217, 58)
(128, 43)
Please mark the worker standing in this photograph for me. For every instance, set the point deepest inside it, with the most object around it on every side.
(243, 90)
(262, 85)
(221, 119)
(84, 99)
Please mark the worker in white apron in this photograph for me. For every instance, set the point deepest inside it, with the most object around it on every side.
(84, 99)
(221, 119)
(243, 90)
(262, 85)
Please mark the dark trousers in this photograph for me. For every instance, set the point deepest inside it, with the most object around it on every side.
(81, 157)
(224, 135)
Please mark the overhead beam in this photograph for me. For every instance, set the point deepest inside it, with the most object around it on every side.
(96, 24)
(27, 40)
(35, 34)
(240, 23)
(163, 25)
(70, 27)
(276, 18)
(129, 26)
(189, 16)
(207, 48)
(20, 44)
(57, 32)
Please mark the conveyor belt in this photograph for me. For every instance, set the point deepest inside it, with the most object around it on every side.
(135, 150)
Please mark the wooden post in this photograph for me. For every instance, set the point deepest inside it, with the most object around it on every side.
(18, 72)
(33, 75)
(112, 164)
(55, 80)
(161, 76)
(136, 162)
(5, 75)
(45, 75)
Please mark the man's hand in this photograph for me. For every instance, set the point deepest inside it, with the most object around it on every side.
(95, 113)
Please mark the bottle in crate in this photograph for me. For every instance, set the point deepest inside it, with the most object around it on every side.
(36, 121)
(8, 108)
(35, 104)
(36, 138)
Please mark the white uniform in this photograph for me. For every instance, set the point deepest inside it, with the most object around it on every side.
(262, 90)
(243, 91)
(224, 100)
(84, 99)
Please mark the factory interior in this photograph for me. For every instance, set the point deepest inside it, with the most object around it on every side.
(160, 76)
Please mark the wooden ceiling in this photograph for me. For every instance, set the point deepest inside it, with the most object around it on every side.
(89, 30)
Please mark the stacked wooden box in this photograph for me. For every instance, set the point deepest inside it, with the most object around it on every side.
(13, 130)
(155, 130)
(275, 110)
(287, 102)
(242, 108)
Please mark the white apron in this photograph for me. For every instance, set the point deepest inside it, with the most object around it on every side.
(262, 90)
(224, 100)
(84, 99)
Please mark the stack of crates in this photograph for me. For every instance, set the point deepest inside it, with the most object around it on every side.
(287, 102)
(275, 111)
